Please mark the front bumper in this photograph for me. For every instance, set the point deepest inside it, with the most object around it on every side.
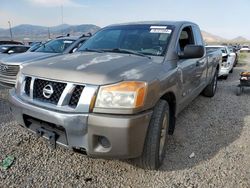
(224, 71)
(125, 133)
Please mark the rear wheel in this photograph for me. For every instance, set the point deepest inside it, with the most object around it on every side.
(210, 90)
(155, 143)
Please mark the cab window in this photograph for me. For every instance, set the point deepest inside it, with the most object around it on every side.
(186, 38)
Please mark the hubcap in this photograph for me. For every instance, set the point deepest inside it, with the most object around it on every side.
(163, 135)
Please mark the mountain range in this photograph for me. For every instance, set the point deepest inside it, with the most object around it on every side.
(211, 38)
(35, 32)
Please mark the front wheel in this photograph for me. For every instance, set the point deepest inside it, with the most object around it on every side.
(155, 143)
(225, 77)
(210, 90)
(231, 71)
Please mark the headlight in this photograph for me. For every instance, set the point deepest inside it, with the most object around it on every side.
(129, 94)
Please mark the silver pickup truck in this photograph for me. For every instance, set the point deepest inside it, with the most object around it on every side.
(10, 66)
(119, 95)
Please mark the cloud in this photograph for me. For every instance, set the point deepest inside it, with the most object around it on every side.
(56, 3)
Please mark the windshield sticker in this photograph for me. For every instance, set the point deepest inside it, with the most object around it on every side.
(67, 41)
(159, 30)
(158, 27)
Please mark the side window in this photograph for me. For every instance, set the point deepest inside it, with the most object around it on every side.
(198, 36)
(12, 50)
(22, 49)
(19, 49)
(186, 38)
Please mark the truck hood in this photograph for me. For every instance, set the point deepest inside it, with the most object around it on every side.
(27, 57)
(94, 68)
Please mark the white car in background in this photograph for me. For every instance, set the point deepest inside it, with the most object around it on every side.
(228, 60)
(245, 48)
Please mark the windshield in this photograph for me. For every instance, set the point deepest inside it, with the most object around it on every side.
(143, 39)
(55, 46)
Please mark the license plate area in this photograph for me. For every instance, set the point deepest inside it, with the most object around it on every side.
(56, 134)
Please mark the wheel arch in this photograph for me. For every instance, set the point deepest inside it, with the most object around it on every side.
(171, 99)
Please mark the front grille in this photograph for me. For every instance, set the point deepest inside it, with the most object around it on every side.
(9, 70)
(51, 91)
(39, 86)
(27, 85)
(76, 96)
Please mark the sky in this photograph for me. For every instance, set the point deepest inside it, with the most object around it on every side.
(225, 18)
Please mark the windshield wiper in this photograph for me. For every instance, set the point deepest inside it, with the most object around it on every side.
(92, 50)
(120, 50)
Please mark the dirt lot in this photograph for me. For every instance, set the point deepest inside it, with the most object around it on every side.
(216, 130)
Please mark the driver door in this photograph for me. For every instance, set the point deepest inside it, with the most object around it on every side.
(186, 67)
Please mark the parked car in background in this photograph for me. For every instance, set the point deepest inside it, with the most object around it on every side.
(228, 60)
(237, 47)
(235, 52)
(119, 94)
(10, 49)
(245, 48)
(2, 42)
(34, 43)
(52, 48)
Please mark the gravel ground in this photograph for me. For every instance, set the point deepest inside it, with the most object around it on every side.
(216, 130)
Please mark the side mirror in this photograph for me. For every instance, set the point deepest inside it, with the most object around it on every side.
(192, 51)
(10, 52)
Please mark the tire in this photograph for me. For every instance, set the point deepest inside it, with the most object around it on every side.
(211, 88)
(155, 142)
(231, 71)
(225, 77)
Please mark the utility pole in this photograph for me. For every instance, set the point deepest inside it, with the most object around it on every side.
(48, 33)
(10, 30)
(62, 16)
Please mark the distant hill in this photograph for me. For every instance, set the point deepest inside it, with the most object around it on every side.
(35, 32)
(240, 39)
(210, 38)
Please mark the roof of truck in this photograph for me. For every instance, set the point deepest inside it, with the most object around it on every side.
(175, 23)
